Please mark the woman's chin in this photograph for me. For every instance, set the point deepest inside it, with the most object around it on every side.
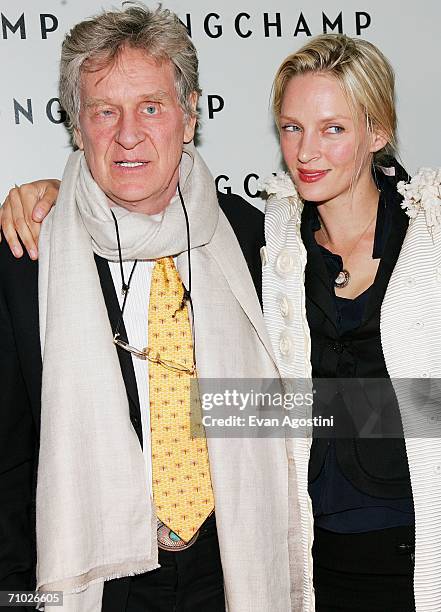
(311, 194)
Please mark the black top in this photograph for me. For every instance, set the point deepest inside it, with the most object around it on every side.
(356, 484)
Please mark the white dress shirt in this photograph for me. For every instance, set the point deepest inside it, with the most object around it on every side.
(136, 324)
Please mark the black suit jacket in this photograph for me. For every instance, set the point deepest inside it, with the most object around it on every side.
(20, 390)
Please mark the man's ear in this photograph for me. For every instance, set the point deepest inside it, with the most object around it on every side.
(78, 139)
(190, 124)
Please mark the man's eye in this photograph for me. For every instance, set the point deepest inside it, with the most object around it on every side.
(290, 127)
(151, 109)
(335, 129)
(104, 113)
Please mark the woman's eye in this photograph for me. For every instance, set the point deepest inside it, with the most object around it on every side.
(105, 112)
(290, 127)
(335, 129)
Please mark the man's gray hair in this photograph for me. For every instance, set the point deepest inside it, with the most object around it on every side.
(96, 42)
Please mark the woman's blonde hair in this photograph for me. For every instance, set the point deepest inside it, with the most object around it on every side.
(364, 73)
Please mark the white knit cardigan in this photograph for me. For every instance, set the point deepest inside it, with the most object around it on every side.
(411, 340)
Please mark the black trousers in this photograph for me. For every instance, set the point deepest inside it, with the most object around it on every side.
(187, 581)
(364, 572)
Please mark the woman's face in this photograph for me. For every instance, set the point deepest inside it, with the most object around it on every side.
(322, 146)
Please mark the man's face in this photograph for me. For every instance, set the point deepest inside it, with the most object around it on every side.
(132, 129)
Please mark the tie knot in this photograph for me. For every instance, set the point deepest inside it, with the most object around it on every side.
(166, 277)
(166, 263)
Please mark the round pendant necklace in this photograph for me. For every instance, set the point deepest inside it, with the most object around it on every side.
(344, 277)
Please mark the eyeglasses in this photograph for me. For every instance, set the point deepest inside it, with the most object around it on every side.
(145, 353)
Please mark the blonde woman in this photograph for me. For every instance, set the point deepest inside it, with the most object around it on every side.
(357, 316)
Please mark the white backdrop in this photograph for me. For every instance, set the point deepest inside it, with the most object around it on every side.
(240, 44)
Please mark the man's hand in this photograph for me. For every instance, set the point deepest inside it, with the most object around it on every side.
(23, 211)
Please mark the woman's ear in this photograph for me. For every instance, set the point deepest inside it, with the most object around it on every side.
(378, 141)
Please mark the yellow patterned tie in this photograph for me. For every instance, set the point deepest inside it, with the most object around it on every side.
(182, 488)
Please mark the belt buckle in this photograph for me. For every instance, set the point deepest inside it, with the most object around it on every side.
(169, 540)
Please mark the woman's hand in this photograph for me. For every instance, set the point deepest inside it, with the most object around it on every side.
(23, 211)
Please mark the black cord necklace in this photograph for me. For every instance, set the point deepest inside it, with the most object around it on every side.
(125, 287)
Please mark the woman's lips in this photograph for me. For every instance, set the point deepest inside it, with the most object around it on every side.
(311, 176)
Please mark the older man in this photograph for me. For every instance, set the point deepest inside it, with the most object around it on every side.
(137, 254)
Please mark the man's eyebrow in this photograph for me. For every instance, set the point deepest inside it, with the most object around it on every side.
(155, 96)
(94, 102)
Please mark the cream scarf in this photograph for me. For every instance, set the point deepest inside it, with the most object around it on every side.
(95, 517)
